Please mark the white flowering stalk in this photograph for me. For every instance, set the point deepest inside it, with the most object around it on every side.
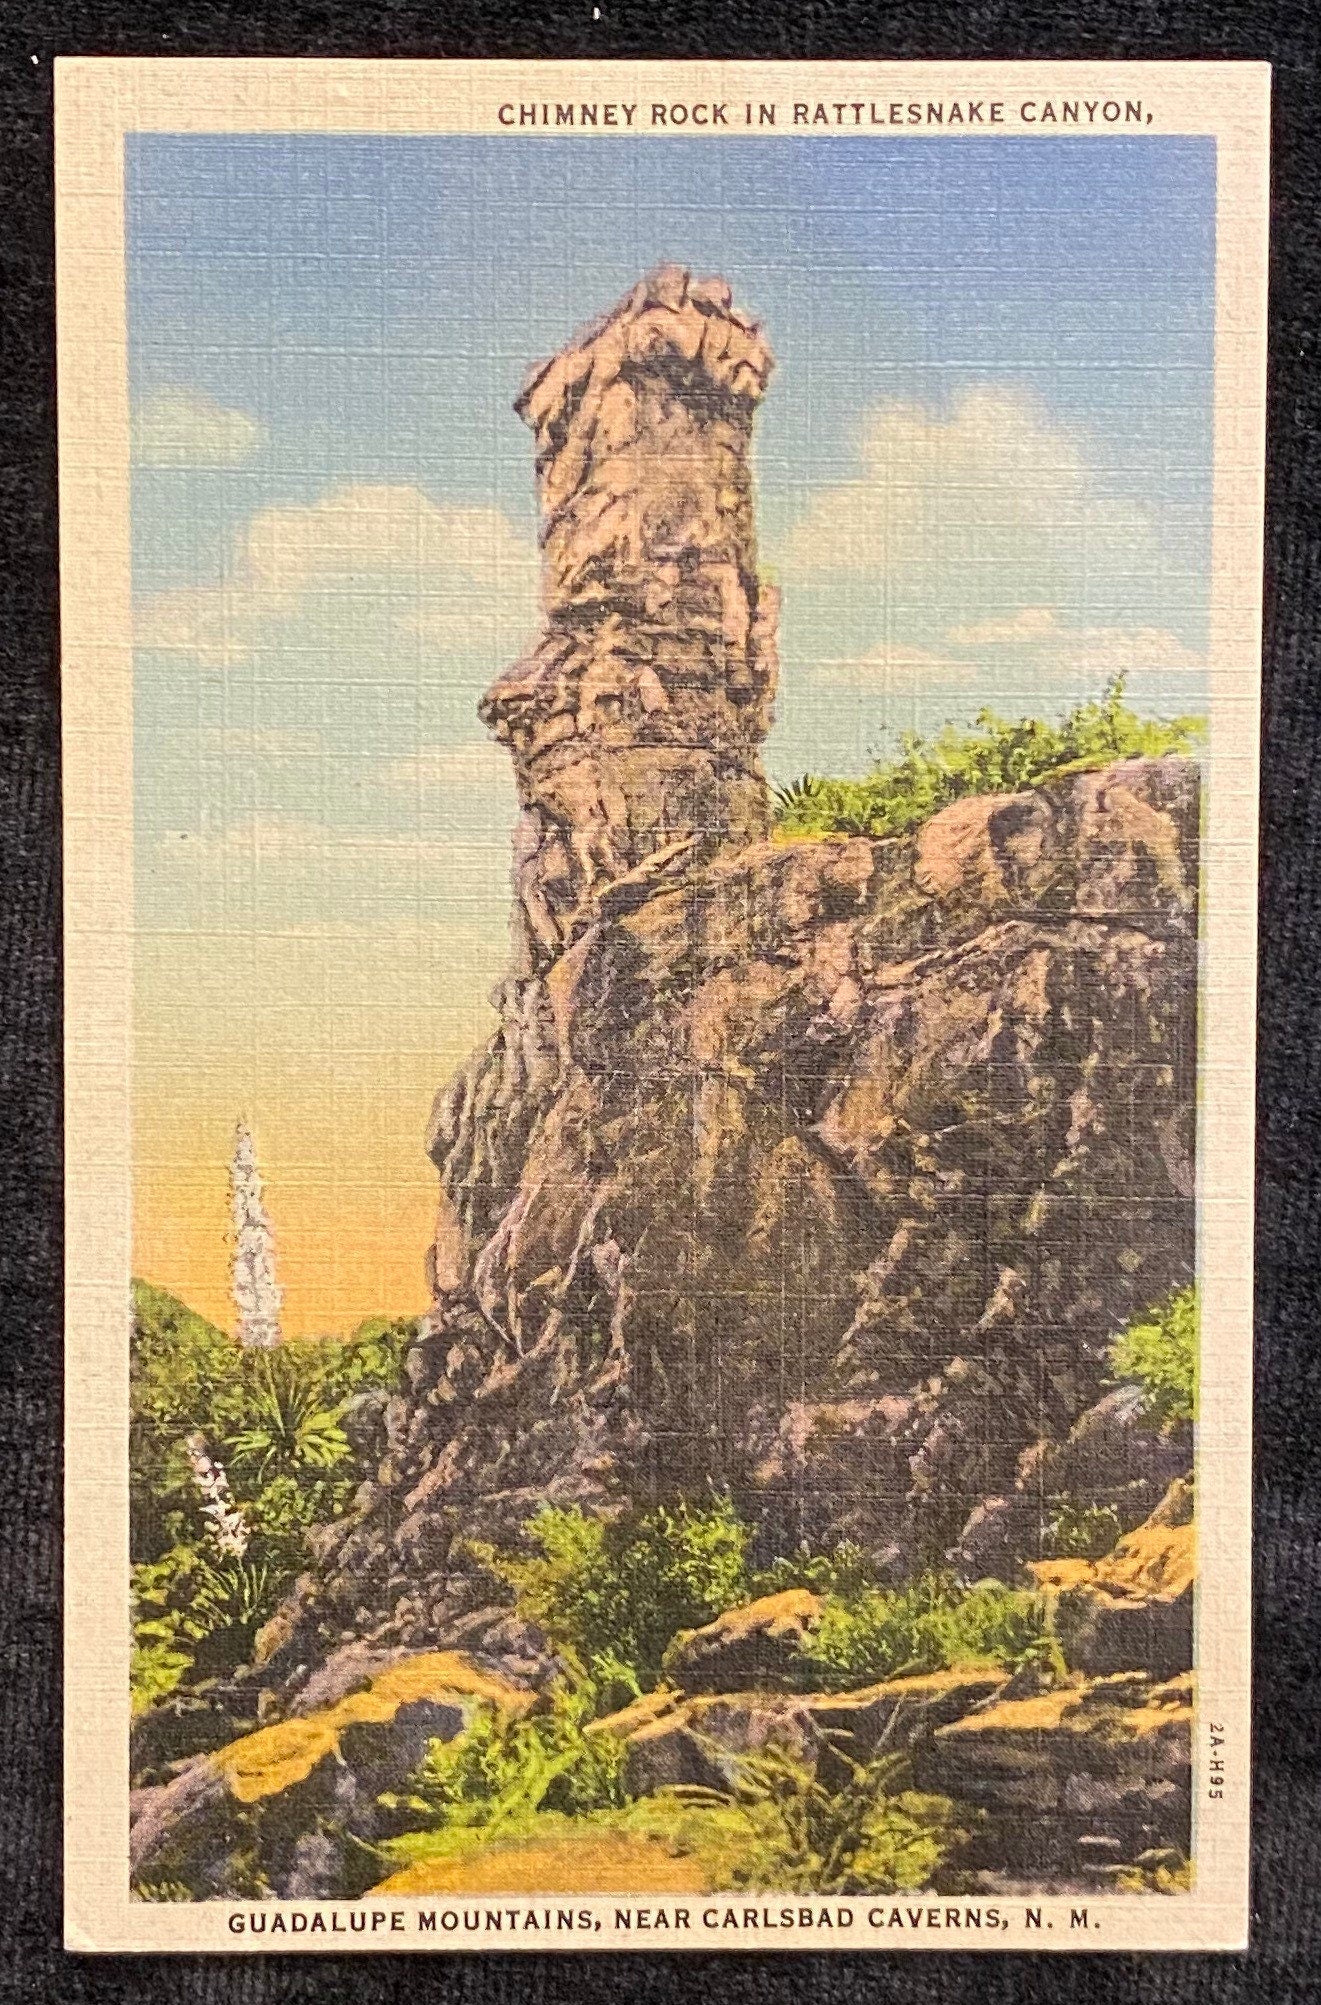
(225, 1521)
(257, 1295)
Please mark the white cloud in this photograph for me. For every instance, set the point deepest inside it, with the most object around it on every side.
(187, 428)
(365, 565)
(1039, 634)
(479, 765)
(893, 667)
(989, 501)
(1028, 624)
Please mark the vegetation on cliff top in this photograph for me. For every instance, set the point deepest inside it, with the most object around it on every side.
(995, 756)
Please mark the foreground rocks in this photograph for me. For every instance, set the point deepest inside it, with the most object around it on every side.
(673, 1739)
(1088, 1777)
(1074, 1765)
(1092, 1775)
(282, 1807)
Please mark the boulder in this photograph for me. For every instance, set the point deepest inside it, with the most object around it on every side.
(674, 1738)
(1134, 1608)
(1085, 1772)
(185, 1724)
(235, 1820)
(752, 1648)
(344, 1672)
(901, 1711)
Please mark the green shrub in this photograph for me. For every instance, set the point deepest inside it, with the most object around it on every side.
(612, 1592)
(871, 1834)
(501, 1772)
(197, 1612)
(271, 1421)
(845, 1571)
(1158, 1352)
(1081, 1531)
(995, 756)
(928, 1625)
(157, 1666)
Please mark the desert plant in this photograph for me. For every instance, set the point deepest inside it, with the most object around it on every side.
(869, 1834)
(196, 1611)
(1080, 1531)
(235, 1453)
(258, 1297)
(290, 1423)
(1158, 1353)
(500, 1772)
(844, 1571)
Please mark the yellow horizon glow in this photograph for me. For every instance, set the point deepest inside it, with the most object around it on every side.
(333, 1046)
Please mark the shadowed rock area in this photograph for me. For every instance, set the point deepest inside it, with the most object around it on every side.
(820, 1170)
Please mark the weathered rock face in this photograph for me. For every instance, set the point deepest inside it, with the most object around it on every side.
(636, 720)
(821, 1170)
(1077, 1778)
(282, 1807)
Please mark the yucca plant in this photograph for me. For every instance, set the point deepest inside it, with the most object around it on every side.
(796, 793)
(288, 1426)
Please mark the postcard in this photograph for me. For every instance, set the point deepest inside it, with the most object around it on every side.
(660, 692)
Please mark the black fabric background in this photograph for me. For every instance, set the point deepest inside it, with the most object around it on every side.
(1283, 1964)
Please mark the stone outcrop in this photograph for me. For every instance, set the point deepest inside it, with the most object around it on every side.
(674, 1739)
(636, 721)
(283, 1806)
(752, 1648)
(1072, 1780)
(1135, 1606)
(821, 1171)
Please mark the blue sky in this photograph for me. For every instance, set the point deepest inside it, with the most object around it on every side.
(371, 305)
(983, 476)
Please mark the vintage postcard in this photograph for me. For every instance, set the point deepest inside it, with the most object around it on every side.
(660, 703)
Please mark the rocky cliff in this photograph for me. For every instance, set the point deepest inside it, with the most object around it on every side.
(819, 1170)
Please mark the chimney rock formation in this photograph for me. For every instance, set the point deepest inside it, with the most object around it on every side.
(635, 723)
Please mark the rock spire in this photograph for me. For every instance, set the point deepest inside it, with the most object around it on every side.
(636, 720)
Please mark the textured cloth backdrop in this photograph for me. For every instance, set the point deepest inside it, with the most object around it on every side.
(1283, 1964)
